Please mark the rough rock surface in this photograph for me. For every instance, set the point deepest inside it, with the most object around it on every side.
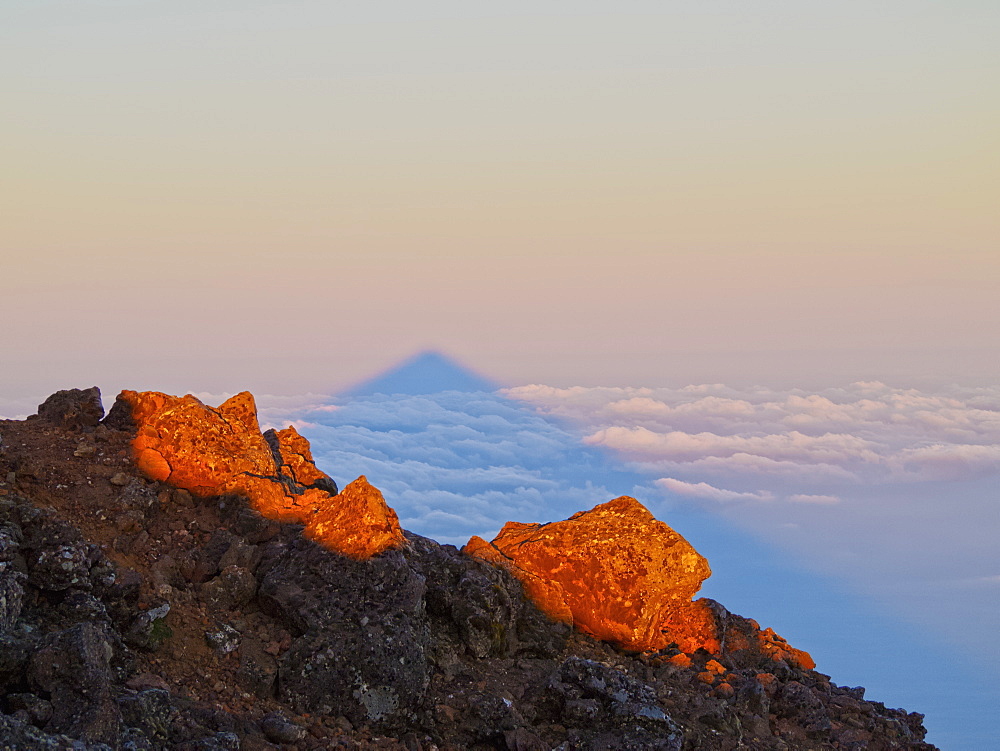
(213, 451)
(294, 457)
(209, 451)
(139, 647)
(358, 524)
(614, 572)
(73, 408)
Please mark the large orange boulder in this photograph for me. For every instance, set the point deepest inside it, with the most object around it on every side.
(618, 574)
(216, 450)
(614, 572)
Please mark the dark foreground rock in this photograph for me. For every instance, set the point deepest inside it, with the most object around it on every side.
(136, 616)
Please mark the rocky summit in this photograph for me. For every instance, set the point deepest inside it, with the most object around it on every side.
(173, 578)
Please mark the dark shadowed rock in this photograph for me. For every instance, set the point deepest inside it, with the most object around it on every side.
(73, 408)
(258, 670)
(74, 668)
(483, 606)
(233, 588)
(596, 695)
(147, 711)
(18, 735)
(11, 596)
(363, 650)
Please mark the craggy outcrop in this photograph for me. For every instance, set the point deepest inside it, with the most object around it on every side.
(73, 408)
(358, 524)
(216, 451)
(614, 572)
(618, 574)
(295, 460)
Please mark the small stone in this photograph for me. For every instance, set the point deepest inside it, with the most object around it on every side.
(725, 691)
(85, 451)
(706, 677)
(144, 681)
(149, 630)
(120, 479)
(279, 730)
(228, 740)
(715, 666)
(182, 498)
(224, 639)
(444, 713)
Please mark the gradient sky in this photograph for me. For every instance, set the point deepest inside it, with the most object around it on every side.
(291, 195)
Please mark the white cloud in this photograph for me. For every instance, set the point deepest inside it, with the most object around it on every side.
(820, 499)
(794, 442)
(709, 492)
(946, 462)
(791, 446)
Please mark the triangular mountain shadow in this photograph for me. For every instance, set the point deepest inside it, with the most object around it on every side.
(426, 372)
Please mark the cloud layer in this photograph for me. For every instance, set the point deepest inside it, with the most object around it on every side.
(717, 443)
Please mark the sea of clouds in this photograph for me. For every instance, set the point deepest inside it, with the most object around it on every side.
(715, 443)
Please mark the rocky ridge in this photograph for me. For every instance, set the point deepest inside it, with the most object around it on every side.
(202, 602)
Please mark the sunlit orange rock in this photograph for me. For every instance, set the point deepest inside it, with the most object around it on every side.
(211, 451)
(359, 524)
(297, 463)
(617, 573)
(614, 572)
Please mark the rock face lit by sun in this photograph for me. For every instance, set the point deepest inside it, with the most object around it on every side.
(213, 451)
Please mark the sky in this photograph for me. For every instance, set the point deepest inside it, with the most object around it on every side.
(747, 252)
(297, 194)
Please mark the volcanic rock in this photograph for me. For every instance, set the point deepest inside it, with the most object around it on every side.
(74, 668)
(215, 451)
(73, 408)
(614, 572)
(358, 524)
(209, 451)
(292, 453)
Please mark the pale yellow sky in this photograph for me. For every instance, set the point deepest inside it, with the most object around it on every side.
(291, 195)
